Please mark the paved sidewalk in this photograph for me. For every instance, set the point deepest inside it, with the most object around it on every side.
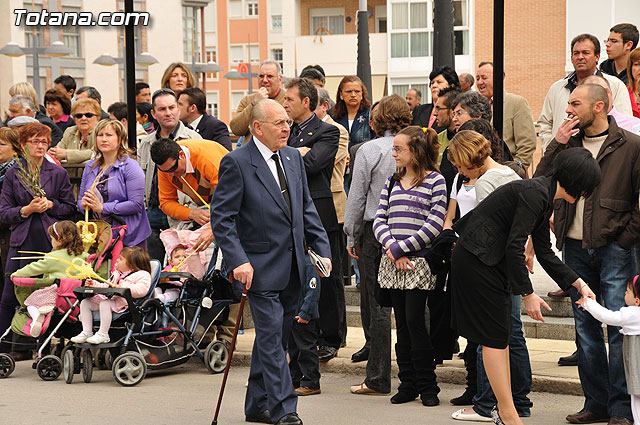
(547, 375)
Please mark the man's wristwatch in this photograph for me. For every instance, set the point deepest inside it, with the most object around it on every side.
(22, 214)
(524, 294)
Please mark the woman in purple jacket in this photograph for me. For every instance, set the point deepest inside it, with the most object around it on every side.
(119, 187)
(29, 216)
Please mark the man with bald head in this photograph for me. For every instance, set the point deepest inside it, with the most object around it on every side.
(262, 217)
(596, 235)
(624, 121)
(466, 81)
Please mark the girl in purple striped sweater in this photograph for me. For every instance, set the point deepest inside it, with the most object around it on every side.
(412, 207)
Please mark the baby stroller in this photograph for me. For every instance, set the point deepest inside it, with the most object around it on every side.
(49, 366)
(128, 366)
(144, 346)
(62, 322)
(201, 305)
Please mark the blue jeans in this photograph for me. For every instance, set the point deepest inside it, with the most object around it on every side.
(606, 270)
(520, 367)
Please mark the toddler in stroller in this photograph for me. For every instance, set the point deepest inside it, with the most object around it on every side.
(67, 247)
(133, 271)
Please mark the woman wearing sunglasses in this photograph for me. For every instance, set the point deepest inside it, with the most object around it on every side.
(76, 146)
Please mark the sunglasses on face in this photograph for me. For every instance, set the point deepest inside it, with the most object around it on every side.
(86, 114)
(172, 169)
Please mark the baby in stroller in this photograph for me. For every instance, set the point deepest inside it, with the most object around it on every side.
(133, 271)
(181, 258)
(67, 247)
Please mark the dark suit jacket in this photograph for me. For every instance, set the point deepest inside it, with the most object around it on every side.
(421, 114)
(251, 221)
(211, 128)
(497, 229)
(323, 139)
(56, 133)
(54, 180)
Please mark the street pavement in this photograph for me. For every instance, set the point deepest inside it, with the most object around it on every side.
(187, 395)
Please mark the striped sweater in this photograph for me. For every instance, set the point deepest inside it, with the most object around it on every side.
(413, 217)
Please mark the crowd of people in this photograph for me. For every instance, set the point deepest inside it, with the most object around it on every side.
(426, 204)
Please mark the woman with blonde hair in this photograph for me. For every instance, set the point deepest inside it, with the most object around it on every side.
(78, 141)
(113, 183)
(177, 77)
(26, 89)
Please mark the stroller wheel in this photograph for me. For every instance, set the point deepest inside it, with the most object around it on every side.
(7, 365)
(68, 364)
(215, 356)
(49, 368)
(129, 369)
(87, 366)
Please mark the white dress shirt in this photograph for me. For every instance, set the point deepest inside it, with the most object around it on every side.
(267, 154)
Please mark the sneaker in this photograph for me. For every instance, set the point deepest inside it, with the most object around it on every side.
(36, 326)
(98, 338)
(81, 337)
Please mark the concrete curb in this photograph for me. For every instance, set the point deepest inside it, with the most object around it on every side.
(446, 374)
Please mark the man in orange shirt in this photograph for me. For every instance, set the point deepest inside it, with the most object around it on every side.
(190, 166)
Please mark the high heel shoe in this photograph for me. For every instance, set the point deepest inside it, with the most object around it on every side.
(495, 416)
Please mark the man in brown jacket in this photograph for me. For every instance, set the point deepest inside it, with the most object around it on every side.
(596, 235)
(269, 79)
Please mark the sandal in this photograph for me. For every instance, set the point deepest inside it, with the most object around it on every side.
(495, 416)
(362, 389)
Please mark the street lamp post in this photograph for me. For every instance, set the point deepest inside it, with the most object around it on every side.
(57, 49)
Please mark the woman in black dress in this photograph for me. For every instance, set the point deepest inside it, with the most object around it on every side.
(488, 262)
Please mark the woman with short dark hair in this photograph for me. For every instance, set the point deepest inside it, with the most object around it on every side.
(488, 262)
(58, 108)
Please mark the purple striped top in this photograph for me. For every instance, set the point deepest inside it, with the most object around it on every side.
(413, 217)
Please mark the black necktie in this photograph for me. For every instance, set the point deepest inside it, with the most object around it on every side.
(283, 182)
(295, 130)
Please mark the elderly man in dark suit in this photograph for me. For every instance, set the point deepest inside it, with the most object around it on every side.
(193, 111)
(318, 142)
(262, 216)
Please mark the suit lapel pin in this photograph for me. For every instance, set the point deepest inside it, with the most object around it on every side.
(310, 133)
(302, 140)
(288, 159)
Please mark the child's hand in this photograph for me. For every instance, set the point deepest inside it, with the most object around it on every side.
(301, 320)
(88, 282)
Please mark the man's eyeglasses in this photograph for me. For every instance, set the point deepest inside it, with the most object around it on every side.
(279, 123)
(438, 108)
(43, 142)
(172, 169)
(610, 40)
(162, 91)
(86, 114)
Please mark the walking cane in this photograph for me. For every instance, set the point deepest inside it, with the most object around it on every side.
(233, 346)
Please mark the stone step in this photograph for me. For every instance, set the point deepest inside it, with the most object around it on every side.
(560, 307)
(555, 328)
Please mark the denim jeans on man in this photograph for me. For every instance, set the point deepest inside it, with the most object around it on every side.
(606, 270)
(520, 367)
